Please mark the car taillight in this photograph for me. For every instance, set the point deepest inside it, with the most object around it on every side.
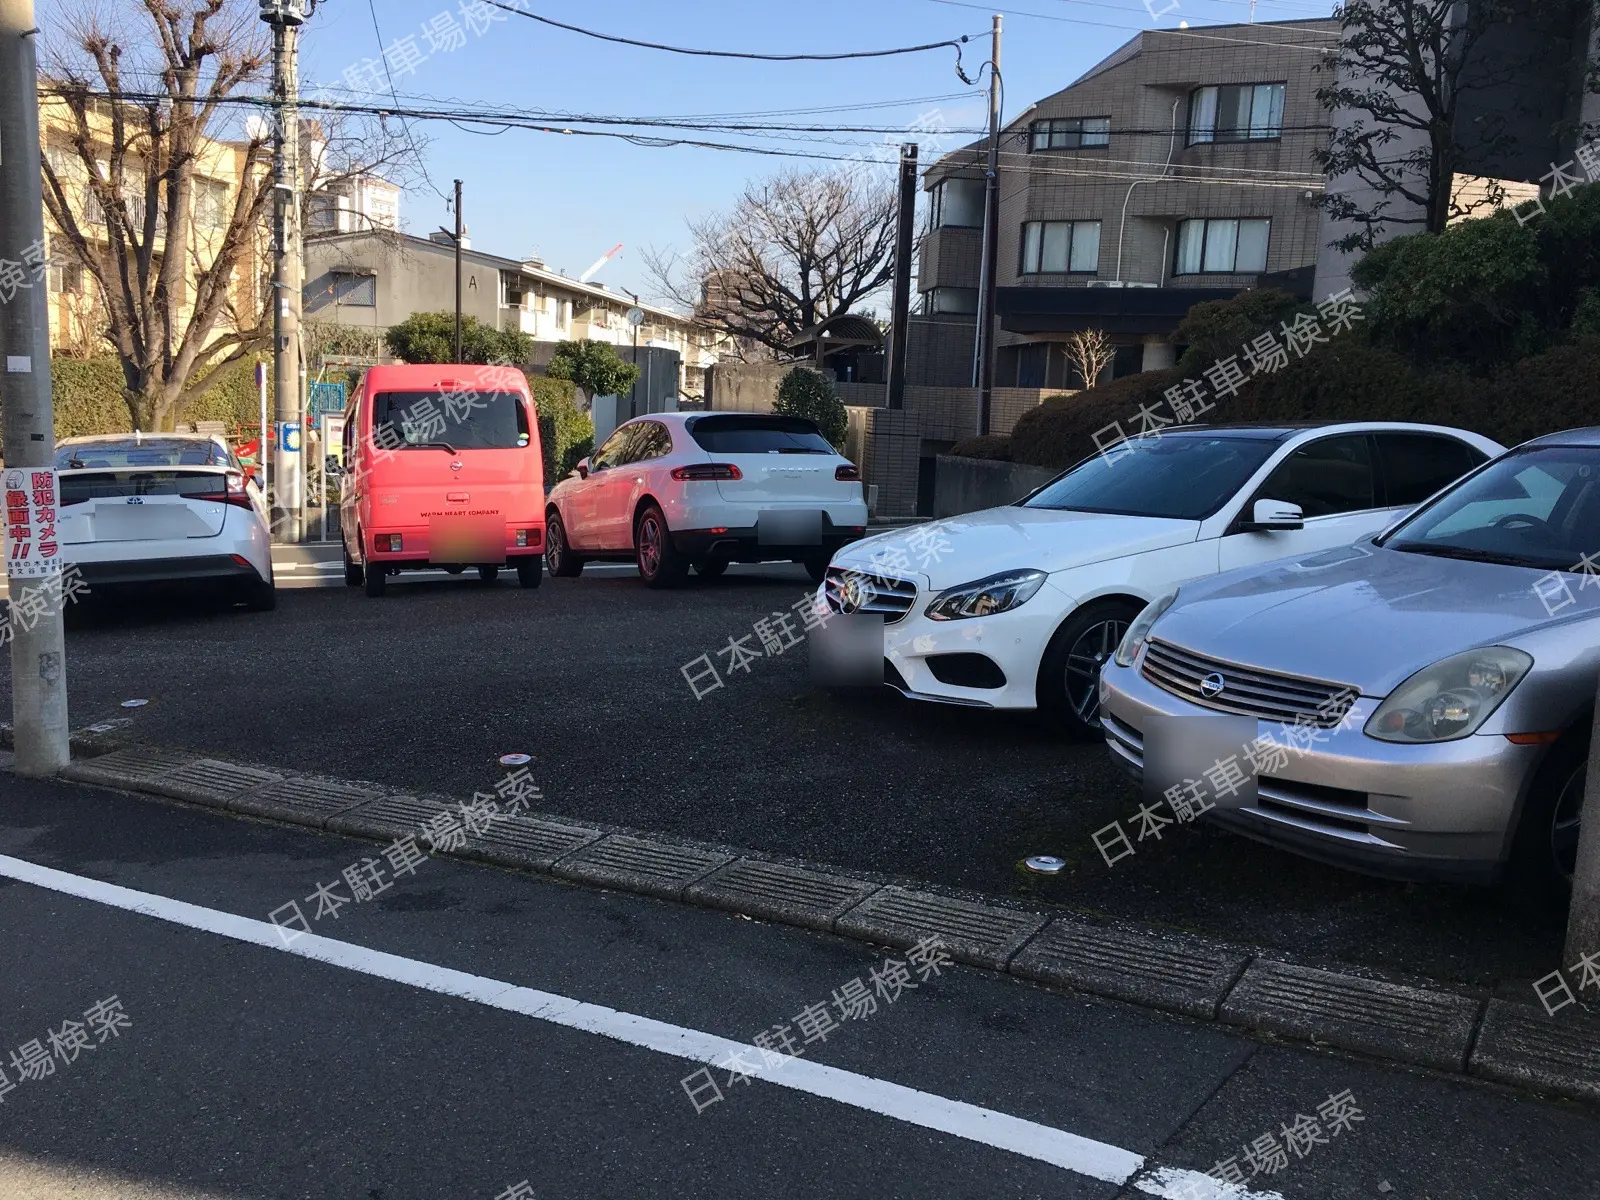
(848, 472)
(236, 492)
(703, 472)
(528, 537)
(387, 543)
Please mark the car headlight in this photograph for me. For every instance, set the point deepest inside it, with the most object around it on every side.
(1140, 629)
(985, 597)
(1452, 698)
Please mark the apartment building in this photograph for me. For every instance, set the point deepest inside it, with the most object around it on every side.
(377, 278)
(1177, 170)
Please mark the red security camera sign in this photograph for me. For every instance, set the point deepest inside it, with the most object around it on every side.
(32, 549)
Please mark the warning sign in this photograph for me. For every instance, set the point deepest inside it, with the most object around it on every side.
(32, 551)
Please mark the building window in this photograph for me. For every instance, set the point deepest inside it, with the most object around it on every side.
(210, 203)
(1071, 133)
(958, 203)
(354, 289)
(1059, 247)
(1246, 112)
(513, 288)
(66, 278)
(1222, 247)
(951, 300)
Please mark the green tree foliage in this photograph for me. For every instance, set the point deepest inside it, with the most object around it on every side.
(566, 433)
(430, 338)
(1218, 328)
(594, 367)
(806, 393)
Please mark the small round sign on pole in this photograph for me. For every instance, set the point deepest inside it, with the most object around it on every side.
(636, 317)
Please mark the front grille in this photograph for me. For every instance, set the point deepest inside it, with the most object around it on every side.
(1247, 690)
(891, 598)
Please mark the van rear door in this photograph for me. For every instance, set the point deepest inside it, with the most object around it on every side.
(464, 467)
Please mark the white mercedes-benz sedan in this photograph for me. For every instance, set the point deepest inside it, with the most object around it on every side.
(168, 510)
(675, 490)
(1018, 607)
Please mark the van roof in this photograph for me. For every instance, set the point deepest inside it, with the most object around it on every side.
(447, 376)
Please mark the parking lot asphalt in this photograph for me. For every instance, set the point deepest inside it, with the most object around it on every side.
(426, 688)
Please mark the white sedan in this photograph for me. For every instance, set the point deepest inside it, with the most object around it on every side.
(1018, 607)
(674, 490)
(167, 509)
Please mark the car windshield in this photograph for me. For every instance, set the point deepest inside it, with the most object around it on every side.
(1536, 508)
(144, 452)
(759, 435)
(458, 420)
(1185, 477)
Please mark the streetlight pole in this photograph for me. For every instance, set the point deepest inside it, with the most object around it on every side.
(458, 270)
(983, 359)
(288, 269)
(38, 650)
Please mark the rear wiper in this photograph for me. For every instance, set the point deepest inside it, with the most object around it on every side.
(433, 446)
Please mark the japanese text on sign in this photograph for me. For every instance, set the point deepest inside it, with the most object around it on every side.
(32, 551)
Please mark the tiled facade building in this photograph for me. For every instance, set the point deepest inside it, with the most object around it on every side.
(1179, 169)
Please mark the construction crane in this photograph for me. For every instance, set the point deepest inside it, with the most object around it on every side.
(607, 257)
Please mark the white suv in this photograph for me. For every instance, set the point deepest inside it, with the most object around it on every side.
(163, 509)
(1018, 607)
(674, 490)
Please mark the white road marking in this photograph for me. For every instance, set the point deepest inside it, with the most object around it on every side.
(1081, 1155)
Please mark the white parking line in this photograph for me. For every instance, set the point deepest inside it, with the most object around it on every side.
(1081, 1155)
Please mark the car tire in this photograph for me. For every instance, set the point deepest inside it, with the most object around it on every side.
(659, 562)
(261, 596)
(817, 568)
(1069, 672)
(558, 555)
(530, 571)
(711, 568)
(488, 574)
(352, 570)
(376, 580)
(1539, 873)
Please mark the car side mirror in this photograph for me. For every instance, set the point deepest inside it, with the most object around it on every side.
(582, 468)
(1274, 516)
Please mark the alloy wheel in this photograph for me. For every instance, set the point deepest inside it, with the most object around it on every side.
(649, 547)
(1094, 647)
(554, 547)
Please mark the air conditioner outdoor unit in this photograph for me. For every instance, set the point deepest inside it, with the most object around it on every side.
(1141, 285)
(1106, 283)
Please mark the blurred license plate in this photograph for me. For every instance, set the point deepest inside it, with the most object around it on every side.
(789, 527)
(454, 540)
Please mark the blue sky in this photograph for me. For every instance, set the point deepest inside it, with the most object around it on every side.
(572, 198)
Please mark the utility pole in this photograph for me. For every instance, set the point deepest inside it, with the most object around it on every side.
(1583, 918)
(458, 270)
(38, 651)
(288, 268)
(905, 236)
(983, 343)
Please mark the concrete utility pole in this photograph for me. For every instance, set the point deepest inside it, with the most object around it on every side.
(983, 348)
(1583, 919)
(459, 230)
(288, 268)
(904, 247)
(38, 651)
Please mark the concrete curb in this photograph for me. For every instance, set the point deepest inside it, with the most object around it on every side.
(1410, 1021)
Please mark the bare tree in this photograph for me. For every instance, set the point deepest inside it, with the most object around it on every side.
(148, 94)
(1091, 352)
(792, 252)
(1403, 73)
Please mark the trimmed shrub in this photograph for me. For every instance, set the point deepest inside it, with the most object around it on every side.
(1217, 328)
(806, 393)
(430, 338)
(996, 447)
(1061, 430)
(566, 433)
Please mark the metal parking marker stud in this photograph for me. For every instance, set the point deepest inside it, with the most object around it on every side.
(1044, 864)
(134, 703)
(515, 760)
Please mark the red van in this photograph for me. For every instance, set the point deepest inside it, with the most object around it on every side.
(443, 469)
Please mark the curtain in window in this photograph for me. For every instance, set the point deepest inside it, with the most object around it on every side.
(1086, 246)
(1252, 252)
(1191, 238)
(1203, 115)
(1222, 245)
(1057, 240)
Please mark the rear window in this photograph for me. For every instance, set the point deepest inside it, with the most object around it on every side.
(101, 485)
(145, 452)
(758, 435)
(455, 420)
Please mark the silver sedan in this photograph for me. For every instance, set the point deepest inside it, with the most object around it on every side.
(1417, 705)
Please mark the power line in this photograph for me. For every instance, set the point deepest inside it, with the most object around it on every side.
(411, 140)
(954, 44)
(1131, 29)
